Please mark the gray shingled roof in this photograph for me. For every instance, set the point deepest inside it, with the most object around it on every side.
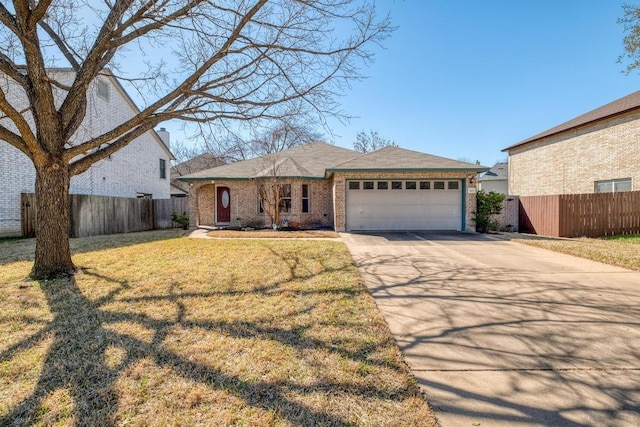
(498, 172)
(619, 106)
(395, 158)
(306, 161)
(317, 159)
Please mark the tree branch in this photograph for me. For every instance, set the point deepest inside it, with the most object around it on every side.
(69, 56)
(15, 140)
(9, 68)
(39, 12)
(8, 20)
(28, 139)
(81, 165)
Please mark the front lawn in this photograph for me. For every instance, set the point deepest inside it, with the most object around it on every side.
(158, 329)
(623, 251)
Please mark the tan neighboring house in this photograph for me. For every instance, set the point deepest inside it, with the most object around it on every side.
(328, 186)
(596, 152)
(495, 179)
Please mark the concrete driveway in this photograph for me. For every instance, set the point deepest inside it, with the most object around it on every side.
(502, 334)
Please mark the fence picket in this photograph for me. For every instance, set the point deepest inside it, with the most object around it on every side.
(94, 215)
(576, 215)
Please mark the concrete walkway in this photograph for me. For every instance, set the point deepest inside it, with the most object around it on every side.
(503, 334)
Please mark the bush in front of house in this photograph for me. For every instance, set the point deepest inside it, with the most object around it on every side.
(488, 204)
(182, 219)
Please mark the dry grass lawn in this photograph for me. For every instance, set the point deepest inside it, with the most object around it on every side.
(623, 251)
(158, 329)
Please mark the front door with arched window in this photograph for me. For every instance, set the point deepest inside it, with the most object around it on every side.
(223, 205)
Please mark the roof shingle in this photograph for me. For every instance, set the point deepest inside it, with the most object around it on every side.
(619, 106)
(306, 161)
(318, 159)
(397, 158)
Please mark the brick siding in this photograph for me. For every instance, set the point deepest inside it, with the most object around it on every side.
(571, 162)
(244, 203)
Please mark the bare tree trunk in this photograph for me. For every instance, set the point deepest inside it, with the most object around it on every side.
(53, 256)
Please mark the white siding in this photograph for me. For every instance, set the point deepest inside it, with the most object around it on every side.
(134, 169)
(495, 186)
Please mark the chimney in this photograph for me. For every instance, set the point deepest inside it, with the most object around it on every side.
(164, 136)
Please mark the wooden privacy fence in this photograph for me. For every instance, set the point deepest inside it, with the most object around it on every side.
(94, 215)
(576, 215)
(508, 217)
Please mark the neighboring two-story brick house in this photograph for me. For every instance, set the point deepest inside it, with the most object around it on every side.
(329, 186)
(596, 152)
(141, 169)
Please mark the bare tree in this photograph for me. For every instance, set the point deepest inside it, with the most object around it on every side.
(372, 141)
(631, 25)
(227, 60)
(274, 137)
(273, 195)
(283, 136)
(190, 159)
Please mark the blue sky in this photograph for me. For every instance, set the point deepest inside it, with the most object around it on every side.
(465, 79)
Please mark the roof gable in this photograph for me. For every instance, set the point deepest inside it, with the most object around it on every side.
(498, 172)
(619, 106)
(305, 161)
(396, 158)
(107, 76)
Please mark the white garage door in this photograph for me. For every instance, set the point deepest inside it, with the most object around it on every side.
(404, 205)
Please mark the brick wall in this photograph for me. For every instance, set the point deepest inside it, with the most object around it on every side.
(339, 186)
(244, 203)
(570, 163)
(134, 169)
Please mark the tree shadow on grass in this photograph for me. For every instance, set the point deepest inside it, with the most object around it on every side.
(83, 330)
(74, 362)
(19, 250)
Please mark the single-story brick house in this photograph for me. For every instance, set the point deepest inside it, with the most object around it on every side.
(329, 186)
(594, 153)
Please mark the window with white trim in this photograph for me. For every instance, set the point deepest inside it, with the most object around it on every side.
(305, 198)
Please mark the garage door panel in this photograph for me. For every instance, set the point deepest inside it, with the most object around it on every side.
(403, 209)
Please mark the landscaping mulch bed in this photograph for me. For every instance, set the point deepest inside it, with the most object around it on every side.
(277, 234)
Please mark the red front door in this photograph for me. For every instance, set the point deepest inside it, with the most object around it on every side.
(223, 205)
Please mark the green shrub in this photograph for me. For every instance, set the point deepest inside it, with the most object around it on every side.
(488, 204)
(183, 219)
